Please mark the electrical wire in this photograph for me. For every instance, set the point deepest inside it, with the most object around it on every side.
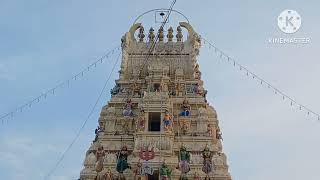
(84, 123)
(53, 90)
(222, 55)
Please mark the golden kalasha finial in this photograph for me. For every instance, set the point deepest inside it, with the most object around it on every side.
(179, 35)
(160, 35)
(151, 34)
(170, 34)
(141, 34)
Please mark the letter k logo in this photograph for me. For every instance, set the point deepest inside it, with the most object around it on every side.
(289, 21)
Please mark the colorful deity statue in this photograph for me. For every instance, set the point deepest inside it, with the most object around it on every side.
(100, 156)
(165, 171)
(185, 108)
(127, 109)
(122, 163)
(184, 160)
(140, 123)
(167, 120)
(207, 160)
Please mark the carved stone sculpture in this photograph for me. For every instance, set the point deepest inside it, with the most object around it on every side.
(122, 163)
(127, 109)
(185, 108)
(171, 110)
(165, 171)
(184, 160)
(207, 160)
(99, 155)
(167, 121)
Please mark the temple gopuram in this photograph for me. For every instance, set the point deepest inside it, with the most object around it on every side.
(158, 123)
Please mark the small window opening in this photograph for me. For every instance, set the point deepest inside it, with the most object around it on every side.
(154, 121)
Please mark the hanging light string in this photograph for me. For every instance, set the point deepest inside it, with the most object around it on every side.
(61, 85)
(85, 120)
(223, 56)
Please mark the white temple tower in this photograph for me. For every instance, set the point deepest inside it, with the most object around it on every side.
(158, 124)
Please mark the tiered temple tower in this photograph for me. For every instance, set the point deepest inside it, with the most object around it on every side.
(158, 123)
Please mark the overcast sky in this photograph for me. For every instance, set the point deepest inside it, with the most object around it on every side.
(45, 42)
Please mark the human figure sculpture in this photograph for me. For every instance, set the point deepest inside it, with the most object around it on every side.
(185, 126)
(101, 127)
(207, 160)
(127, 109)
(184, 160)
(140, 123)
(219, 134)
(165, 171)
(197, 73)
(96, 132)
(136, 89)
(122, 163)
(167, 120)
(185, 108)
(99, 155)
(199, 90)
